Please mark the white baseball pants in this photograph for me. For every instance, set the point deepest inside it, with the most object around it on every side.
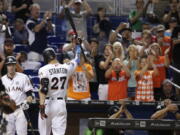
(56, 120)
(16, 123)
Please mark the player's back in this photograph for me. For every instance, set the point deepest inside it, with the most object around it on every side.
(58, 75)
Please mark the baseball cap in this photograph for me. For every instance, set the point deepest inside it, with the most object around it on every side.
(71, 32)
(8, 41)
(172, 20)
(10, 60)
(78, 1)
(160, 28)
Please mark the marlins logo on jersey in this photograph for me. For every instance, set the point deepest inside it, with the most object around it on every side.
(17, 87)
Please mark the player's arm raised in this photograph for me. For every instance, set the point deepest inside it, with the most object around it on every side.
(76, 61)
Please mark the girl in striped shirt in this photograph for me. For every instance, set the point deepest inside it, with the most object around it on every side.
(144, 77)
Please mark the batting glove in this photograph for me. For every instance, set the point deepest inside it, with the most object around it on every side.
(25, 106)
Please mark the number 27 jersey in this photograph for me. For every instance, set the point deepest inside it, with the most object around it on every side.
(58, 76)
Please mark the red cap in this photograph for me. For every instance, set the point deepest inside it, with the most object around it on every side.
(71, 32)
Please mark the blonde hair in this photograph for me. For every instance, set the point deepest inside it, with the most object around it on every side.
(136, 49)
(121, 47)
(132, 46)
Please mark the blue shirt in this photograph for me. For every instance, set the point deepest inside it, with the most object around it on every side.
(132, 80)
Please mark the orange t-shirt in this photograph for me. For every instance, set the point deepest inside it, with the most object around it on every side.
(117, 86)
(144, 90)
(79, 84)
(157, 81)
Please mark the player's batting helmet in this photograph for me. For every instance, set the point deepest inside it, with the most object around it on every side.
(49, 54)
(10, 60)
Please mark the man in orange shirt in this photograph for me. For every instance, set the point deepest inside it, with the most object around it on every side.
(79, 83)
(118, 75)
(161, 62)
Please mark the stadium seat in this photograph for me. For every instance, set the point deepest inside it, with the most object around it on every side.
(35, 91)
(31, 72)
(53, 39)
(21, 47)
(56, 47)
(35, 80)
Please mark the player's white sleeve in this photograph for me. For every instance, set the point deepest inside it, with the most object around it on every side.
(42, 74)
(27, 85)
(71, 66)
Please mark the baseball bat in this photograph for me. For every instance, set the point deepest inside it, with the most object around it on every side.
(28, 120)
(71, 21)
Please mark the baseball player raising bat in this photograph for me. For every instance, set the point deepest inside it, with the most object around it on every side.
(69, 17)
(54, 79)
(19, 88)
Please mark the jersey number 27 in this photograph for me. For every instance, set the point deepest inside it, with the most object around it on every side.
(55, 83)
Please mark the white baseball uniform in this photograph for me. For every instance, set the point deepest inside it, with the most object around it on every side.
(55, 106)
(16, 88)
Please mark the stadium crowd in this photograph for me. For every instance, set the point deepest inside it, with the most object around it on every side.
(138, 60)
(130, 62)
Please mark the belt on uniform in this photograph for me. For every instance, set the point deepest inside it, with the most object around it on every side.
(58, 98)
